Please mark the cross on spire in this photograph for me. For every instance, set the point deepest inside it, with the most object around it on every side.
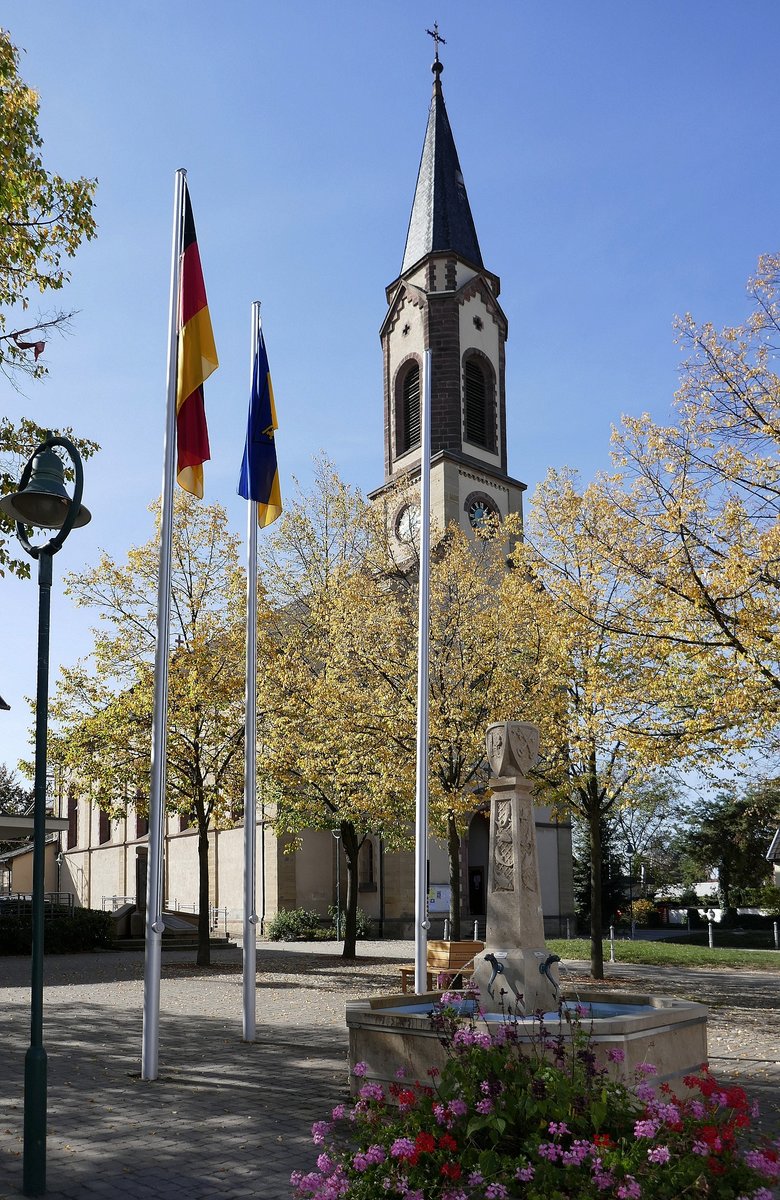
(434, 33)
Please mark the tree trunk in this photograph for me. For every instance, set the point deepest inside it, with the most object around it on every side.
(453, 853)
(596, 949)
(204, 932)
(351, 844)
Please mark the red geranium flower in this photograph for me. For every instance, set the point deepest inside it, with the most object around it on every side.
(425, 1143)
(447, 1142)
(450, 1171)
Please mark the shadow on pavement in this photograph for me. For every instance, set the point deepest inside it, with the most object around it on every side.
(224, 1119)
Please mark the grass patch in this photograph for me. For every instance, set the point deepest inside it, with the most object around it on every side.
(671, 954)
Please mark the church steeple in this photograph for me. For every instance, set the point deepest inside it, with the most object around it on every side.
(446, 301)
(441, 217)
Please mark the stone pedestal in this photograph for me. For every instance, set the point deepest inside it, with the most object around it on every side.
(515, 950)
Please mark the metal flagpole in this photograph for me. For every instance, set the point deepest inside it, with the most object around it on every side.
(154, 872)
(250, 740)
(421, 922)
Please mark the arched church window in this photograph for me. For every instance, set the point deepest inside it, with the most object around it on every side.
(479, 417)
(366, 879)
(408, 413)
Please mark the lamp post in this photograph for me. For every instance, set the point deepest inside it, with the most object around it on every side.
(337, 835)
(42, 501)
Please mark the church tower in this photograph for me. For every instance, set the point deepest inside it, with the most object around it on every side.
(446, 300)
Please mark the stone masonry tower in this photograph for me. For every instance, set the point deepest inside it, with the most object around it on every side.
(446, 300)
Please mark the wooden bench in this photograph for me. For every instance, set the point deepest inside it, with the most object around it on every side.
(445, 961)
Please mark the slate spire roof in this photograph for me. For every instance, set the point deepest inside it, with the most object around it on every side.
(441, 218)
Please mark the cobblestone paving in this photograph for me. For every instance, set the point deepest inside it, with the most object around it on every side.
(227, 1119)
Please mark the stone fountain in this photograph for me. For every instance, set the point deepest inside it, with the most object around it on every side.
(516, 975)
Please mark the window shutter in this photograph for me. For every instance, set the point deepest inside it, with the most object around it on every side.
(476, 405)
(411, 408)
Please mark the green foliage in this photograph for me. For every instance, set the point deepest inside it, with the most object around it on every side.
(295, 925)
(74, 932)
(363, 923)
(731, 834)
(43, 217)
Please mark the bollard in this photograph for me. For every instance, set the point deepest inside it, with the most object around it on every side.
(774, 930)
(446, 929)
(476, 931)
(612, 943)
(710, 936)
(568, 929)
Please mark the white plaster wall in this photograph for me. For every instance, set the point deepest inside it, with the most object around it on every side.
(181, 870)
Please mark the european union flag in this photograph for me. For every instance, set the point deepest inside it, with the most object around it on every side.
(259, 472)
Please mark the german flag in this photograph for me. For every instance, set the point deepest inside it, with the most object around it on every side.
(197, 359)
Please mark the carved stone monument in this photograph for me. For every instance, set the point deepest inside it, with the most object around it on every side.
(515, 973)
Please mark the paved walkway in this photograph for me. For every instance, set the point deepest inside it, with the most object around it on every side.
(227, 1119)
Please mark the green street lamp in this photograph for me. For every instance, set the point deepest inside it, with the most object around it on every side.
(41, 501)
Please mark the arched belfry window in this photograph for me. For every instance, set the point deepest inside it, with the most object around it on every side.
(479, 410)
(408, 410)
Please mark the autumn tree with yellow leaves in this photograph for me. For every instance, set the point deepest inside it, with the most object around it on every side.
(699, 511)
(614, 707)
(333, 660)
(102, 710)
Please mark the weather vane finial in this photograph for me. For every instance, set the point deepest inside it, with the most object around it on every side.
(434, 33)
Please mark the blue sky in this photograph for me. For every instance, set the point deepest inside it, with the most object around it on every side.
(620, 159)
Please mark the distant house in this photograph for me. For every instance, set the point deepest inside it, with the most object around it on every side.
(773, 856)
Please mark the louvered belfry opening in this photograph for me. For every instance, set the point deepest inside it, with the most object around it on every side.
(478, 410)
(410, 433)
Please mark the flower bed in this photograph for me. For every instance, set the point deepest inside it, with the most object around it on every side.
(496, 1124)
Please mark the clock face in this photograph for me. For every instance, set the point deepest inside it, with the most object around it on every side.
(479, 510)
(407, 524)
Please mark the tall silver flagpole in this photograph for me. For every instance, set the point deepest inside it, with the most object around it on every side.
(154, 873)
(250, 740)
(421, 922)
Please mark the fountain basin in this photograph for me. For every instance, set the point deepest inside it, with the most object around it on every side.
(388, 1033)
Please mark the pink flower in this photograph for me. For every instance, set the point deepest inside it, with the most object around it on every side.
(458, 1108)
(372, 1091)
(645, 1092)
(401, 1073)
(616, 1055)
(558, 1128)
(524, 1174)
(629, 1189)
(496, 1191)
(484, 1106)
(339, 1112)
(645, 1129)
(646, 1069)
(402, 1148)
(659, 1154)
(319, 1131)
(359, 1069)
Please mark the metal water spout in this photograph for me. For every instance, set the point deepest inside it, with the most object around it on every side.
(498, 969)
(544, 969)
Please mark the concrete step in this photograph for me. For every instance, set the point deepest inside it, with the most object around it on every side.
(172, 942)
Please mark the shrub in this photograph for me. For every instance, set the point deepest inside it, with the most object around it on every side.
(499, 1123)
(294, 925)
(64, 932)
(364, 923)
